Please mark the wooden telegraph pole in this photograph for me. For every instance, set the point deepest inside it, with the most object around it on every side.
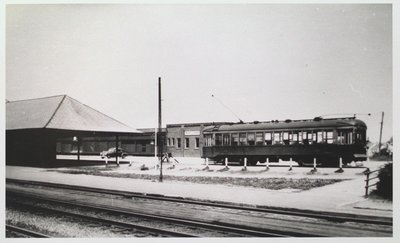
(380, 134)
(159, 136)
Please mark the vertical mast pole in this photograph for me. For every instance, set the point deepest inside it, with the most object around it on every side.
(159, 140)
(380, 134)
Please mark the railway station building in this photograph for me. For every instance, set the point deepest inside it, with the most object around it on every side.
(39, 130)
(186, 139)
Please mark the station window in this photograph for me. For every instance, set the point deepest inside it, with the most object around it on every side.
(196, 143)
(268, 138)
(168, 142)
(187, 145)
(242, 139)
(58, 148)
(173, 142)
(259, 138)
(251, 138)
(235, 139)
(226, 139)
(143, 147)
(218, 139)
(178, 143)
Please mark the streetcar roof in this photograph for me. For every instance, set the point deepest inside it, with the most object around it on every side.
(289, 125)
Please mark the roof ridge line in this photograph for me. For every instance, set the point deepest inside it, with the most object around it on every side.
(101, 113)
(12, 101)
(55, 111)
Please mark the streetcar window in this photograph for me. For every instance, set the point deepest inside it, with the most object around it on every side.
(251, 138)
(235, 139)
(242, 139)
(207, 140)
(345, 137)
(178, 143)
(300, 138)
(187, 143)
(268, 138)
(294, 139)
(340, 137)
(307, 137)
(320, 137)
(218, 139)
(227, 139)
(314, 137)
(286, 138)
(350, 138)
(360, 137)
(329, 137)
(277, 138)
(259, 138)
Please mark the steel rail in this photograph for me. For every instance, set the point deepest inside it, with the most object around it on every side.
(26, 231)
(224, 227)
(128, 226)
(335, 217)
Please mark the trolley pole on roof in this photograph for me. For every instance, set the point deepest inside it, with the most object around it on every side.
(380, 134)
(159, 136)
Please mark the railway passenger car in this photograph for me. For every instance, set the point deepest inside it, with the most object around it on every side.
(327, 140)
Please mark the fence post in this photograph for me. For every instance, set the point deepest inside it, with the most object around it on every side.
(226, 163)
(267, 166)
(106, 161)
(290, 164)
(315, 166)
(245, 164)
(340, 170)
(366, 185)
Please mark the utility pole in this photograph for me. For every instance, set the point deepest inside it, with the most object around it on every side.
(159, 136)
(380, 134)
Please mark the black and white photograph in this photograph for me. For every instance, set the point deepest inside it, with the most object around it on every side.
(182, 120)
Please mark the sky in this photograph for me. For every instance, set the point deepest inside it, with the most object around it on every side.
(261, 61)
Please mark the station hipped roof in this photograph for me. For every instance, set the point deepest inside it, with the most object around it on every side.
(60, 112)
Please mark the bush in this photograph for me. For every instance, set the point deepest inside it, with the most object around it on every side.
(384, 187)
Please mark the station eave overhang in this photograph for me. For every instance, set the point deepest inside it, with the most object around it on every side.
(79, 131)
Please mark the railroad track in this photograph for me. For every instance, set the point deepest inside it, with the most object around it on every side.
(334, 217)
(100, 220)
(25, 232)
(234, 230)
